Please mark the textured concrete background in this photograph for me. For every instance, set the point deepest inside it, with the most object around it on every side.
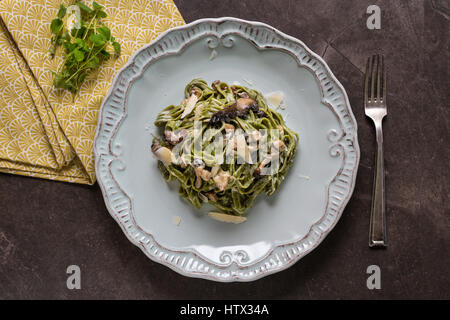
(46, 226)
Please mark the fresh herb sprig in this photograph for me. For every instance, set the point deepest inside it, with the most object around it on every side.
(85, 47)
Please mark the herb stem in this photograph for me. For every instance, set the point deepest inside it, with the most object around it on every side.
(81, 67)
(89, 26)
(83, 50)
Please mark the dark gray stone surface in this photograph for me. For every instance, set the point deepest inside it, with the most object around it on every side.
(46, 226)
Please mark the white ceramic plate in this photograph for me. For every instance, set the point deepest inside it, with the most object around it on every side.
(280, 230)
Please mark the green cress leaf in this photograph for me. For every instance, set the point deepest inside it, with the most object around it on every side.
(105, 32)
(101, 14)
(56, 25)
(75, 32)
(58, 39)
(79, 33)
(81, 43)
(66, 46)
(65, 36)
(84, 7)
(116, 47)
(62, 11)
(82, 77)
(72, 88)
(58, 82)
(97, 39)
(105, 53)
(69, 46)
(96, 6)
(93, 63)
(84, 48)
(79, 56)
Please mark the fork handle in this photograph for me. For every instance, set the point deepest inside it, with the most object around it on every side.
(377, 234)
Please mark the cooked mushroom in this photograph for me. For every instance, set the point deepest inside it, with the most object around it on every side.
(198, 182)
(175, 137)
(200, 172)
(203, 197)
(281, 130)
(214, 84)
(243, 95)
(198, 163)
(228, 126)
(196, 91)
(215, 170)
(257, 173)
(240, 94)
(261, 114)
(212, 197)
(221, 180)
(278, 146)
(183, 162)
(265, 161)
(155, 146)
(162, 153)
(206, 174)
(254, 135)
(240, 108)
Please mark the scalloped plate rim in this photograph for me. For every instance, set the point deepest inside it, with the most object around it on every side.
(324, 233)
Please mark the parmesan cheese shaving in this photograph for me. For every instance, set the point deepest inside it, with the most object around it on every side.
(275, 99)
(213, 55)
(223, 217)
(189, 105)
(176, 220)
(165, 155)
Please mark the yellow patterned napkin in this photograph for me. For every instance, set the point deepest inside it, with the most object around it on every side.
(45, 132)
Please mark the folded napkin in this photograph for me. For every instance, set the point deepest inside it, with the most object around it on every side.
(46, 132)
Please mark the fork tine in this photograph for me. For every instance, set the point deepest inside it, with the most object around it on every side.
(372, 80)
(379, 72)
(383, 70)
(366, 84)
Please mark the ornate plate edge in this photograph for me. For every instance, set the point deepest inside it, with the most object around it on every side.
(192, 264)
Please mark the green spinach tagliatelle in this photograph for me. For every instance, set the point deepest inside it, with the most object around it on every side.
(231, 186)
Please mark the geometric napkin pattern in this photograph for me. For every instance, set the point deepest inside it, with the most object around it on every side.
(47, 132)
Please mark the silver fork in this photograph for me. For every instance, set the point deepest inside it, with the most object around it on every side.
(375, 108)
